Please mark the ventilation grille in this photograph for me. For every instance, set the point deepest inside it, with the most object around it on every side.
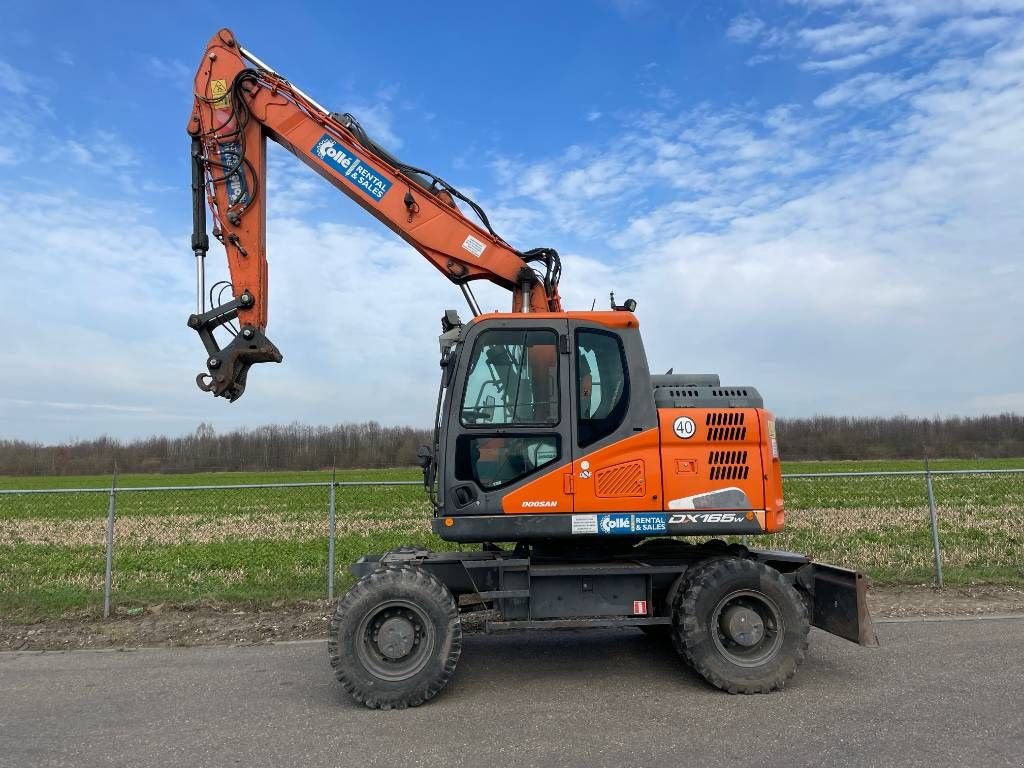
(718, 392)
(712, 391)
(728, 465)
(726, 425)
(683, 393)
(620, 481)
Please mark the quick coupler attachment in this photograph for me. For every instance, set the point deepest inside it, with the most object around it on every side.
(228, 368)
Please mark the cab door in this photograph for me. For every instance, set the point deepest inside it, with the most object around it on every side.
(509, 424)
(616, 444)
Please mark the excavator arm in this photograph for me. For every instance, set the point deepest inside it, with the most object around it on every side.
(240, 102)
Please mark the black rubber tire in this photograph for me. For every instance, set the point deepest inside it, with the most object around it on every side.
(693, 624)
(442, 632)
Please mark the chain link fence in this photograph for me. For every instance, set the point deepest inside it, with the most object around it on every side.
(81, 551)
(910, 527)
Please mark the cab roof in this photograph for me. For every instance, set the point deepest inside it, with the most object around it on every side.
(609, 318)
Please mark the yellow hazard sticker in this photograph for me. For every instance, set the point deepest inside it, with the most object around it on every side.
(219, 92)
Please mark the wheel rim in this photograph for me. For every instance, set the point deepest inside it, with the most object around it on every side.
(747, 627)
(394, 641)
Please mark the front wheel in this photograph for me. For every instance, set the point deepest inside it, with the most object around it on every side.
(740, 625)
(395, 638)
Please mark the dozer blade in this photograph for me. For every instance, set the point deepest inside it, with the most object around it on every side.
(839, 602)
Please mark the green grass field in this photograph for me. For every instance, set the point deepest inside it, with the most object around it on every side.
(271, 543)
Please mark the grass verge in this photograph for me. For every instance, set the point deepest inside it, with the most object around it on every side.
(271, 544)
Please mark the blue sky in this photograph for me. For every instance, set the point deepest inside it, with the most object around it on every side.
(817, 197)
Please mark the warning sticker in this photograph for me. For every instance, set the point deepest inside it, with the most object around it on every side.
(219, 92)
(474, 246)
(584, 524)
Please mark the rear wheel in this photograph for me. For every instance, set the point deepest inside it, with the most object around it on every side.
(740, 625)
(395, 638)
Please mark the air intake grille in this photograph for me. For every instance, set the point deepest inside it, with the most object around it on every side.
(621, 480)
(728, 465)
(726, 425)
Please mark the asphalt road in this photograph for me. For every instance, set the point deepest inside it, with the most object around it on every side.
(936, 693)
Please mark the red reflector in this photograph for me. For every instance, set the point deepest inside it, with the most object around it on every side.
(639, 607)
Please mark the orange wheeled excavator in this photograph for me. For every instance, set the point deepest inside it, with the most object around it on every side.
(578, 472)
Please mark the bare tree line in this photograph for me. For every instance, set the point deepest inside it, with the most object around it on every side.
(901, 437)
(302, 447)
(291, 447)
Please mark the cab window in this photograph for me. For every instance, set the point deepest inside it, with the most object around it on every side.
(494, 462)
(602, 392)
(512, 380)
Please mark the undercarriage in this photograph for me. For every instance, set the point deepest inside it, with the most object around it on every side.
(738, 616)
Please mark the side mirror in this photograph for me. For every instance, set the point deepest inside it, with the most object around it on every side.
(425, 458)
(424, 455)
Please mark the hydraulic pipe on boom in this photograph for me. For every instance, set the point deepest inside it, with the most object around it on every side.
(240, 102)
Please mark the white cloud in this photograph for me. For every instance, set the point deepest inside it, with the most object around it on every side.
(102, 152)
(377, 117)
(79, 153)
(851, 61)
(30, 132)
(77, 406)
(292, 188)
(841, 35)
(377, 120)
(744, 28)
(844, 36)
(172, 70)
(88, 286)
(717, 162)
(13, 80)
(867, 89)
(24, 103)
(873, 88)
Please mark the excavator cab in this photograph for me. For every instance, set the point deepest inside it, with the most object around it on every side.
(526, 396)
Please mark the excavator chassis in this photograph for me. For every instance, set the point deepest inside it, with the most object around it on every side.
(547, 590)
(661, 586)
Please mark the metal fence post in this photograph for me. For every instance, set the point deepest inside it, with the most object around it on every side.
(935, 524)
(330, 538)
(111, 505)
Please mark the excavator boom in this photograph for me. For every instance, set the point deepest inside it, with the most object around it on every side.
(239, 103)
